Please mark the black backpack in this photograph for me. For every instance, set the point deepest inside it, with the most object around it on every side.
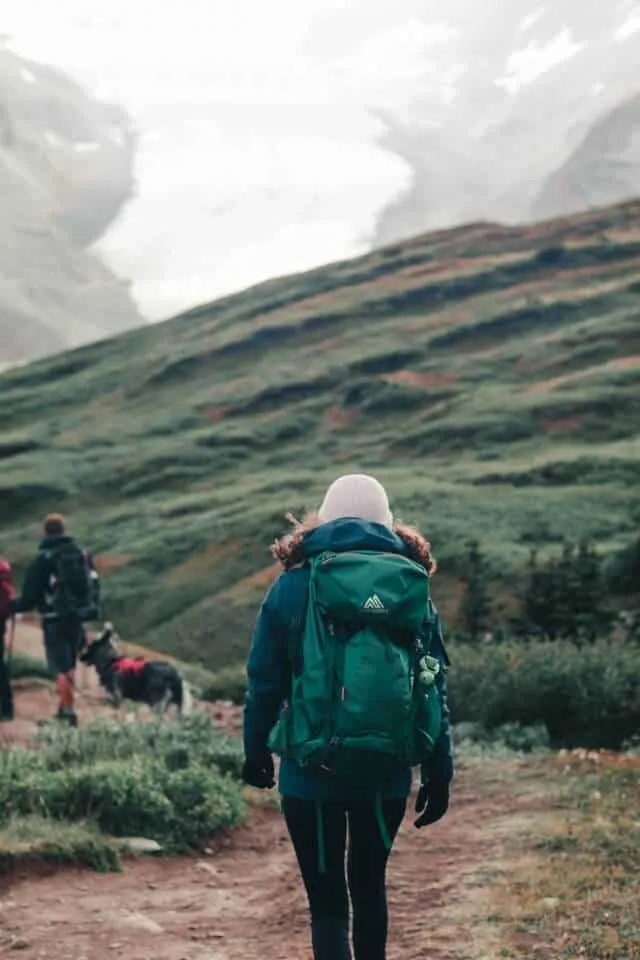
(73, 589)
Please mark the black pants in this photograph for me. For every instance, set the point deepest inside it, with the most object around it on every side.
(6, 694)
(365, 876)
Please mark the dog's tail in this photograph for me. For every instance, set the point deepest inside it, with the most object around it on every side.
(182, 697)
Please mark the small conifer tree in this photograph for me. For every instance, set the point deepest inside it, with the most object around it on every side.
(475, 611)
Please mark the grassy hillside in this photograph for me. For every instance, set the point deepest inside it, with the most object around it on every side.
(489, 376)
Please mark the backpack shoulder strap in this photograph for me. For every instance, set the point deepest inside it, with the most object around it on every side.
(432, 639)
(296, 626)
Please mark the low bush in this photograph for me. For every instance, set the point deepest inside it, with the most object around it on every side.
(583, 696)
(195, 739)
(22, 667)
(507, 737)
(138, 797)
(229, 683)
(166, 782)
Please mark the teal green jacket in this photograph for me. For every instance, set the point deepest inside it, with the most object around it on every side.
(277, 631)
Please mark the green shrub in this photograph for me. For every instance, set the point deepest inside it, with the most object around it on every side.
(584, 697)
(168, 782)
(195, 737)
(140, 796)
(22, 666)
(510, 736)
(202, 804)
(230, 683)
(622, 570)
(226, 754)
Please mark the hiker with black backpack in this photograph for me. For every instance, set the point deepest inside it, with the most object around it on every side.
(7, 595)
(347, 685)
(62, 585)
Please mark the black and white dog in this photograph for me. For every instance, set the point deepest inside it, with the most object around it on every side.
(154, 682)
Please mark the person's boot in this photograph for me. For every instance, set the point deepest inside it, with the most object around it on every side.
(67, 715)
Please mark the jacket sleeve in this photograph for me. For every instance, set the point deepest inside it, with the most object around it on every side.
(34, 587)
(440, 766)
(269, 663)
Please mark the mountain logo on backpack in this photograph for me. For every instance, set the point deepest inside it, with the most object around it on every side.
(374, 603)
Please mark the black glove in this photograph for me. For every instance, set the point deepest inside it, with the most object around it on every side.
(259, 773)
(431, 803)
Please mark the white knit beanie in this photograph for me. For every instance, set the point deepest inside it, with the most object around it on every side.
(356, 495)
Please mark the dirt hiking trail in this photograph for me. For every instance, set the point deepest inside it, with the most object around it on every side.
(244, 900)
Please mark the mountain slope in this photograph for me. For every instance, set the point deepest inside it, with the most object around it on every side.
(489, 375)
(65, 171)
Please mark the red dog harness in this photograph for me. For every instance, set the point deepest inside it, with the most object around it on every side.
(130, 664)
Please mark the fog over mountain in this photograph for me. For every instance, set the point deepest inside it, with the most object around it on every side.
(275, 137)
(65, 170)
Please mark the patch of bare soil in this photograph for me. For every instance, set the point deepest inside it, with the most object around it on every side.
(338, 417)
(633, 361)
(422, 380)
(561, 424)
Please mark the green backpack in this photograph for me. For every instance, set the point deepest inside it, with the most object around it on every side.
(365, 702)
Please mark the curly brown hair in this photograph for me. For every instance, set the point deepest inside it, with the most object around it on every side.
(54, 523)
(287, 550)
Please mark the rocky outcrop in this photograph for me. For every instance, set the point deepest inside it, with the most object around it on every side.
(66, 163)
(536, 120)
(604, 168)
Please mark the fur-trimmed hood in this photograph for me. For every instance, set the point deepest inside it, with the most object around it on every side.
(309, 538)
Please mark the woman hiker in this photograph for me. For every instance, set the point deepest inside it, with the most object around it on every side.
(322, 807)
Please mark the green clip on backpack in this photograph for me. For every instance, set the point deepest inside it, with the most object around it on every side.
(365, 701)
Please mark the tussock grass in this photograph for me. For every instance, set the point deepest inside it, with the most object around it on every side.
(582, 897)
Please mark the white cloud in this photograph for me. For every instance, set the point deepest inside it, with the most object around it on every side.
(526, 65)
(630, 26)
(531, 19)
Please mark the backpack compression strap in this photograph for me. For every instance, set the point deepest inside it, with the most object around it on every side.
(382, 824)
(382, 827)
